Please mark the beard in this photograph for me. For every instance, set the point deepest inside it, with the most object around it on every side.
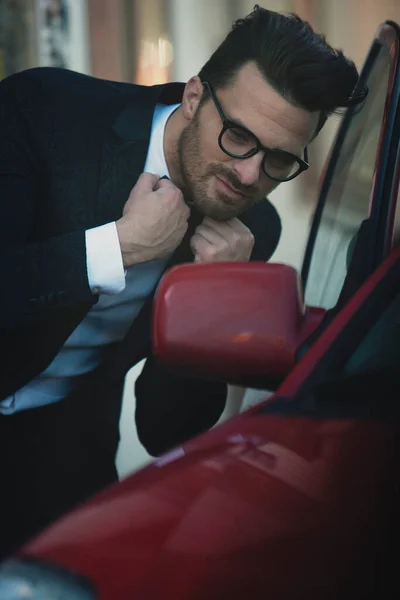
(196, 175)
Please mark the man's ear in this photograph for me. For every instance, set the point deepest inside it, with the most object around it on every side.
(191, 97)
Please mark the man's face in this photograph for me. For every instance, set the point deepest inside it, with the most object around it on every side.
(223, 187)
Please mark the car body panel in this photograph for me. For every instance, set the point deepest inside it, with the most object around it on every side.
(285, 503)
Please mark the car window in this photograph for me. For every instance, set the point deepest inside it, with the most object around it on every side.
(362, 374)
(380, 348)
(348, 200)
(367, 383)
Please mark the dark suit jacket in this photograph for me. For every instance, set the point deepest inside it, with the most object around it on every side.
(71, 149)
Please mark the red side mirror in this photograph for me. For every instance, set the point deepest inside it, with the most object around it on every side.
(231, 321)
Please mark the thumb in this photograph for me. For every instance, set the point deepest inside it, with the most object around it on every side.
(147, 182)
(165, 182)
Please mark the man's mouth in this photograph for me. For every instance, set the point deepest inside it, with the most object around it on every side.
(227, 188)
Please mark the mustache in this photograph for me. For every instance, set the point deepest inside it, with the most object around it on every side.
(232, 179)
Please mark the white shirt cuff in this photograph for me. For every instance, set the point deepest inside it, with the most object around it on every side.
(105, 268)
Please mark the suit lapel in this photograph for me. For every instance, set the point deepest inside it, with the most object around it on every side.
(124, 151)
(264, 222)
(183, 253)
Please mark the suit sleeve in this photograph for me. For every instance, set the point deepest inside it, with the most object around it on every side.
(170, 408)
(36, 276)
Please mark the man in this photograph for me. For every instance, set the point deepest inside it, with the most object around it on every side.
(89, 224)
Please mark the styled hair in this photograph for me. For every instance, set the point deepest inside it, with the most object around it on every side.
(295, 60)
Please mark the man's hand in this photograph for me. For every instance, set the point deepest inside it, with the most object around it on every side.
(228, 241)
(154, 221)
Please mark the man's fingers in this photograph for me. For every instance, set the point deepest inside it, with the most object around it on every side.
(240, 229)
(209, 234)
(237, 225)
(230, 240)
(165, 183)
(147, 181)
(201, 248)
(216, 231)
(226, 226)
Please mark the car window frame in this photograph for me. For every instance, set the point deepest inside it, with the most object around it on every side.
(385, 187)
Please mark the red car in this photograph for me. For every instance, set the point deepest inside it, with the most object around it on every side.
(297, 497)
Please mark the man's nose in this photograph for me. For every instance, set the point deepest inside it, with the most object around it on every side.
(248, 169)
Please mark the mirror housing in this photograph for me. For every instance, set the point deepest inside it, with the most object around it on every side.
(238, 322)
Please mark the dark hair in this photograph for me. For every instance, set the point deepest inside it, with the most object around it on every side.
(298, 63)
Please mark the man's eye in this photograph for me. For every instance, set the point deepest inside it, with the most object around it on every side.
(280, 161)
(238, 135)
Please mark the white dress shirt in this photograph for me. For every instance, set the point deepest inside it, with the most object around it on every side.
(121, 296)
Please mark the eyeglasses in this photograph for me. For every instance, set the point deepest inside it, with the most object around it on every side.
(239, 142)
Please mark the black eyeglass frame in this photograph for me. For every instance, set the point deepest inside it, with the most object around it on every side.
(228, 124)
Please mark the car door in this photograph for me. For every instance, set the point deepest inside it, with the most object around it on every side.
(352, 229)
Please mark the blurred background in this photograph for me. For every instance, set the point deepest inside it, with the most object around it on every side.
(156, 41)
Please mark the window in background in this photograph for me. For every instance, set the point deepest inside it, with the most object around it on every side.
(53, 25)
(18, 50)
